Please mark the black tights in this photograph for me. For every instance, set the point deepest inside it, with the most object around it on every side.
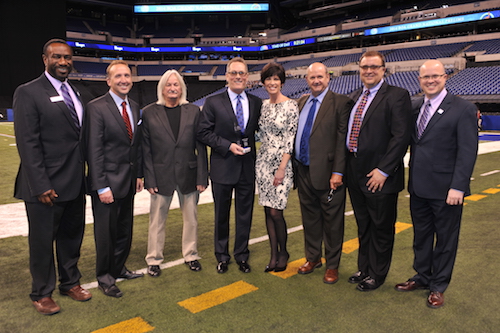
(277, 231)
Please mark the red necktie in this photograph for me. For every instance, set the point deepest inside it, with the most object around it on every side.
(356, 123)
(126, 119)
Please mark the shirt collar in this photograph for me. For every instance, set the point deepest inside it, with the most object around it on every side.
(374, 90)
(118, 100)
(233, 95)
(55, 82)
(320, 97)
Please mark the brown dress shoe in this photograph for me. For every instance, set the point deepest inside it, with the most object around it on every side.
(46, 306)
(331, 276)
(435, 300)
(409, 286)
(77, 293)
(309, 267)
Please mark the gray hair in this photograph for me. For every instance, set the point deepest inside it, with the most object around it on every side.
(163, 81)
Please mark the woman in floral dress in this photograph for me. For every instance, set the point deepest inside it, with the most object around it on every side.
(277, 128)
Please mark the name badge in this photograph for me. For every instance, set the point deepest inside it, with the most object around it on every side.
(57, 98)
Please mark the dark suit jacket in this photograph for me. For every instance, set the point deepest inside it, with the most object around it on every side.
(327, 141)
(49, 144)
(444, 156)
(113, 160)
(384, 136)
(217, 130)
(170, 162)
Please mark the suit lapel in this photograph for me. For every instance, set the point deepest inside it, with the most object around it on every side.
(438, 115)
(375, 102)
(51, 92)
(163, 118)
(228, 107)
(116, 114)
(185, 119)
(324, 108)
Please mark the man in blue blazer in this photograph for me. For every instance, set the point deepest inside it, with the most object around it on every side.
(228, 124)
(115, 172)
(443, 153)
(47, 123)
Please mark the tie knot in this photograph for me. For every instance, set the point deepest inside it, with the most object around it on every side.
(239, 97)
(124, 104)
(314, 100)
(367, 92)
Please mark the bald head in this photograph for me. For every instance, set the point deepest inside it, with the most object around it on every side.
(317, 78)
(432, 78)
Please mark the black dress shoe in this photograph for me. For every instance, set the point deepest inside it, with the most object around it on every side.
(244, 267)
(222, 267)
(357, 277)
(194, 265)
(112, 291)
(269, 269)
(154, 270)
(129, 275)
(368, 284)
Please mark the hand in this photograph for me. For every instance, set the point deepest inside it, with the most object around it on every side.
(335, 181)
(153, 190)
(236, 149)
(201, 188)
(376, 181)
(278, 177)
(139, 185)
(454, 197)
(107, 197)
(48, 197)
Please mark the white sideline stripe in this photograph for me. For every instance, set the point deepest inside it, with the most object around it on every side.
(490, 173)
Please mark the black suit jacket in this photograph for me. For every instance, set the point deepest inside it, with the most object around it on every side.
(445, 155)
(49, 144)
(327, 141)
(113, 160)
(384, 136)
(217, 129)
(168, 161)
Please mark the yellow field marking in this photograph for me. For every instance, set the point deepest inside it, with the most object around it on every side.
(218, 296)
(134, 325)
(491, 190)
(350, 245)
(400, 226)
(475, 197)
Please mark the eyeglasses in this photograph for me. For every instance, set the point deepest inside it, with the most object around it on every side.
(372, 67)
(235, 73)
(431, 77)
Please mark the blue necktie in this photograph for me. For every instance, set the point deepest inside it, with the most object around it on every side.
(306, 133)
(69, 103)
(239, 114)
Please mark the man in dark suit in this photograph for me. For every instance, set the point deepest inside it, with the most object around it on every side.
(319, 166)
(173, 161)
(48, 115)
(113, 145)
(377, 140)
(443, 154)
(227, 125)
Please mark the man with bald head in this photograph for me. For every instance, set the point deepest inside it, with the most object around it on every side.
(319, 166)
(443, 153)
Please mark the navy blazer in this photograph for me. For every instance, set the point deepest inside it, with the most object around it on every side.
(217, 129)
(445, 155)
(50, 145)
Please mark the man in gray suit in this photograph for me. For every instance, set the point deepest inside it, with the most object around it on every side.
(443, 154)
(173, 161)
(48, 115)
(113, 144)
(319, 166)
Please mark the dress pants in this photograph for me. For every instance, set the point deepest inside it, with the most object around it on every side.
(113, 236)
(436, 228)
(376, 215)
(243, 202)
(159, 207)
(323, 221)
(63, 223)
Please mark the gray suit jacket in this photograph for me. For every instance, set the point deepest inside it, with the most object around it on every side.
(113, 160)
(171, 162)
(49, 144)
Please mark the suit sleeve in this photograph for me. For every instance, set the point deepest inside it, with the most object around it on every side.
(400, 127)
(95, 148)
(207, 132)
(201, 158)
(343, 110)
(147, 156)
(29, 141)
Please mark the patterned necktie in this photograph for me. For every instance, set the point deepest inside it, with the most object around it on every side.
(356, 123)
(239, 114)
(69, 103)
(126, 119)
(306, 133)
(423, 119)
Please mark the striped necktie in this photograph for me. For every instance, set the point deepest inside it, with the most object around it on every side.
(356, 123)
(126, 119)
(69, 103)
(424, 118)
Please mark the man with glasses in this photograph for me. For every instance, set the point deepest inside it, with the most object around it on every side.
(443, 154)
(228, 124)
(377, 139)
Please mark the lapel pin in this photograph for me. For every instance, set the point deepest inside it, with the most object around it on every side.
(440, 111)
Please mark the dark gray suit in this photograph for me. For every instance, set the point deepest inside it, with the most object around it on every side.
(114, 161)
(442, 159)
(52, 157)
